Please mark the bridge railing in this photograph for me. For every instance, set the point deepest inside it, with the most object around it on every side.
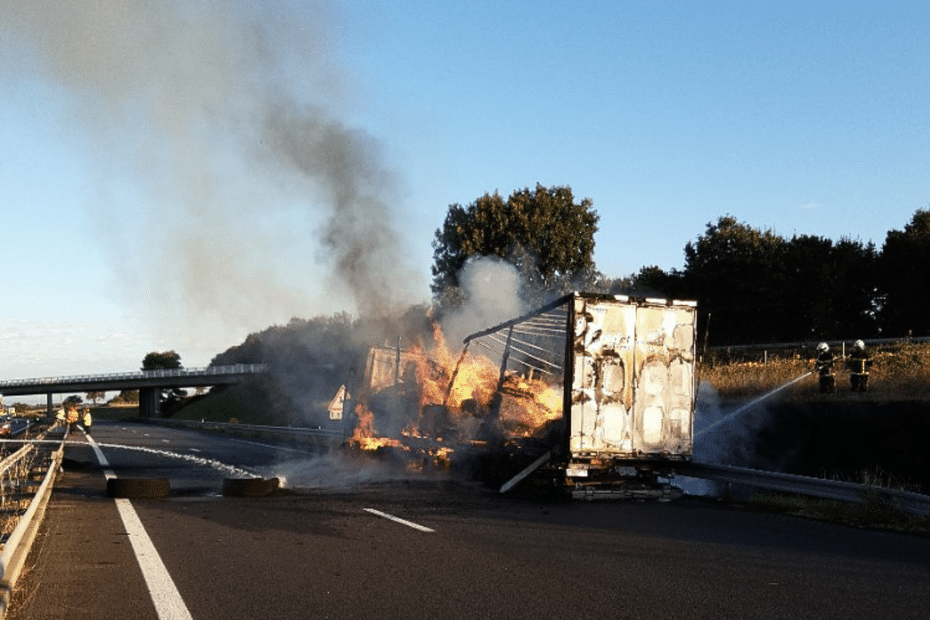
(235, 369)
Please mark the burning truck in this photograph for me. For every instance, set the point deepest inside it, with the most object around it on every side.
(593, 394)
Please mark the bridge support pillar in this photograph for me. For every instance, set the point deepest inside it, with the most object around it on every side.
(148, 402)
(49, 408)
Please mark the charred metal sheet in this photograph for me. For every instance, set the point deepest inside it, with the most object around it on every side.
(632, 384)
(388, 366)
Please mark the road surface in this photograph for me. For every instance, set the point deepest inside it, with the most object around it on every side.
(341, 541)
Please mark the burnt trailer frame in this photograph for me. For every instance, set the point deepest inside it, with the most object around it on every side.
(627, 371)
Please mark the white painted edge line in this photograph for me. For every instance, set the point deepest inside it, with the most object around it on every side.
(415, 526)
(165, 596)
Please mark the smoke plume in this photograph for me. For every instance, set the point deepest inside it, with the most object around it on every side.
(226, 181)
(491, 295)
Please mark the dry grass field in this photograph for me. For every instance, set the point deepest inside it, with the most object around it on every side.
(900, 371)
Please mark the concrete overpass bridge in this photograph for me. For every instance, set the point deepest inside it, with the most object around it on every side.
(149, 383)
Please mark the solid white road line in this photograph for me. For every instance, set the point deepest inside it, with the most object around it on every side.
(415, 526)
(167, 600)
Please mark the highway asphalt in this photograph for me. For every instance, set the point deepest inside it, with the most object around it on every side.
(351, 539)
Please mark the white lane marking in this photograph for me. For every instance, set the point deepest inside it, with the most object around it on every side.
(415, 526)
(168, 602)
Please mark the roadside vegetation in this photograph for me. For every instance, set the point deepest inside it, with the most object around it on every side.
(900, 371)
(873, 513)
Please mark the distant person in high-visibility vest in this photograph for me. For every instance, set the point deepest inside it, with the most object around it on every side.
(87, 421)
(71, 416)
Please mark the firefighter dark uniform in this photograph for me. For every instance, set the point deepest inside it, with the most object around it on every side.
(824, 368)
(858, 365)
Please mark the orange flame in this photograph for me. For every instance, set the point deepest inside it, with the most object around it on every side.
(526, 405)
(364, 434)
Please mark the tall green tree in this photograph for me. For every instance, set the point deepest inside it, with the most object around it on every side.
(829, 290)
(544, 232)
(733, 271)
(161, 360)
(904, 277)
(855, 267)
(653, 281)
(166, 360)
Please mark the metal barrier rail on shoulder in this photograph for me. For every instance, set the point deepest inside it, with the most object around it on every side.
(18, 544)
(816, 487)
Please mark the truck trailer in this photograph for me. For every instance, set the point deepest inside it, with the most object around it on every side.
(592, 394)
(627, 377)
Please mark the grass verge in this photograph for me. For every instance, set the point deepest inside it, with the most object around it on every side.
(874, 513)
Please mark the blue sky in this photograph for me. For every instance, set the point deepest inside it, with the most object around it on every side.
(168, 168)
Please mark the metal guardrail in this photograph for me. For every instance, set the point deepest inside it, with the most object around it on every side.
(914, 503)
(14, 458)
(144, 374)
(813, 343)
(17, 546)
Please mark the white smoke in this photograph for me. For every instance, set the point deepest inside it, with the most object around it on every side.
(491, 295)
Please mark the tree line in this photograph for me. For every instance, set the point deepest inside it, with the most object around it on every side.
(752, 286)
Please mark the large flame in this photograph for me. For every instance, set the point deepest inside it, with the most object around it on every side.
(463, 388)
(364, 435)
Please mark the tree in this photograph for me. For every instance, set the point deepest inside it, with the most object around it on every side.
(72, 401)
(126, 397)
(543, 232)
(165, 360)
(734, 272)
(95, 396)
(652, 281)
(829, 289)
(904, 276)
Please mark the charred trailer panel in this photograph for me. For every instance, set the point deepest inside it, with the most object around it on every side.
(632, 389)
(629, 404)
(625, 370)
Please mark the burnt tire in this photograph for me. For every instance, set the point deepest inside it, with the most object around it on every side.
(138, 488)
(249, 487)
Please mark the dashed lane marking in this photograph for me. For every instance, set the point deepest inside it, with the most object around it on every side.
(415, 526)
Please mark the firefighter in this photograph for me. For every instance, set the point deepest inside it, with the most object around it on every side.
(87, 421)
(858, 365)
(824, 368)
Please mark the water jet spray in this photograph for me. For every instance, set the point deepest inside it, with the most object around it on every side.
(751, 404)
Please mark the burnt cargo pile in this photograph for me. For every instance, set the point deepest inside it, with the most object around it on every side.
(591, 394)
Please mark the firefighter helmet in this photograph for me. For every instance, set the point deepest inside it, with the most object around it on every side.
(823, 347)
(859, 345)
